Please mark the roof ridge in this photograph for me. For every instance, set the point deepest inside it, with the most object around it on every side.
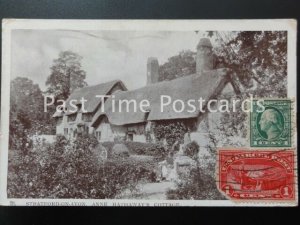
(89, 86)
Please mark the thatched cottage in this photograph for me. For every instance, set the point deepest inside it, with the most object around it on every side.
(71, 123)
(108, 124)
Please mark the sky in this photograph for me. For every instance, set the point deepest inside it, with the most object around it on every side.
(107, 55)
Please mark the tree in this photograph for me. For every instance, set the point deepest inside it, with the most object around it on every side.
(66, 75)
(172, 131)
(179, 65)
(27, 97)
(27, 114)
(258, 60)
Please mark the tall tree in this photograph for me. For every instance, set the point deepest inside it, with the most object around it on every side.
(179, 65)
(258, 60)
(26, 97)
(66, 75)
(27, 114)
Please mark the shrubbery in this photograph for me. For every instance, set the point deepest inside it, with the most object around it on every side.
(70, 170)
(199, 182)
(140, 148)
(192, 150)
(199, 185)
(173, 131)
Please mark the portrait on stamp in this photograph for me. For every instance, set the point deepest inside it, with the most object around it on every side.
(273, 126)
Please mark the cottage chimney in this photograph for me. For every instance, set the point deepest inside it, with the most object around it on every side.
(204, 58)
(152, 70)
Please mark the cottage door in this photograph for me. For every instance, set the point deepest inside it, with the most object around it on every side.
(129, 136)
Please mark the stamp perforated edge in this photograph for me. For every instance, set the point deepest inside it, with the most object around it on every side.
(290, 202)
(293, 125)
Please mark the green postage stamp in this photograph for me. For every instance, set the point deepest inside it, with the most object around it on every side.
(271, 127)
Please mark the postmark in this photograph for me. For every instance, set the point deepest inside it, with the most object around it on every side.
(271, 127)
(257, 174)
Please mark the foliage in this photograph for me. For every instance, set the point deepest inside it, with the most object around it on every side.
(192, 150)
(139, 148)
(179, 65)
(258, 61)
(199, 180)
(172, 131)
(27, 116)
(71, 170)
(85, 141)
(120, 150)
(200, 185)
(151, 149)
(66, 75)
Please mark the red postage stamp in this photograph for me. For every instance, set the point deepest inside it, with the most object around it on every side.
(257, 174)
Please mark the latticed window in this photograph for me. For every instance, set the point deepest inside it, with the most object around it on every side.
(87, 117)
(98, 135)
(65, 131)
(72, 118)
(59, 120)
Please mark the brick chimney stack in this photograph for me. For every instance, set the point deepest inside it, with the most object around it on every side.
(204, 58)
(152, 70)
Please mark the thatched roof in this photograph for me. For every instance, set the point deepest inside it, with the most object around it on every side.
(58, 114)
(89, 93)
(206, 85)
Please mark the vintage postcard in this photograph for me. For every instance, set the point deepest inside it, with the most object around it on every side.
(148, 113)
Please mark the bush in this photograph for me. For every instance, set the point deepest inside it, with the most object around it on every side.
(85, 142)
(200, 185)
(120, 150)
(109, 145)
(140, 148)
(192, 150)
(66, 170)
(172, 131)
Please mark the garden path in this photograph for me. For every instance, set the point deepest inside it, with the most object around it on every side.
(155, 191)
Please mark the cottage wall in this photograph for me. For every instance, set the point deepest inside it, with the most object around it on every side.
(109, 132)
(209, 123)
(138, 132)
(119, 132)
(71, 126)
(106, 133)
(59, 125)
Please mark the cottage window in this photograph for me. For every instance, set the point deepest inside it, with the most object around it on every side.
(65, 131)
(87, 117)
(74, 133)
(72, 118)
(98, 135)
(59, 120)
(130, 137)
